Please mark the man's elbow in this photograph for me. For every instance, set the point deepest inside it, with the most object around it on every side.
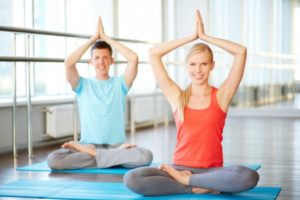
(67, 63)
(135, 59)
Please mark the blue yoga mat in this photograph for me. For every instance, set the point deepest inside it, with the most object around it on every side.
(100, 190)
(43, 167)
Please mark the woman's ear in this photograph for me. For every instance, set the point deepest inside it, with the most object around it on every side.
(90, 61)
(212, 65)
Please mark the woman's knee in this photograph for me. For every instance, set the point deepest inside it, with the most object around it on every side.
(253, 178)
(134, 181)
(249, 177)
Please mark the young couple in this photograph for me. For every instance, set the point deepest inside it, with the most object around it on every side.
(199, 112)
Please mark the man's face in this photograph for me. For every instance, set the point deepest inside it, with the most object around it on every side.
(101, 60)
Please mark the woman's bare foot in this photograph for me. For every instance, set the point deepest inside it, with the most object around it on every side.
(127, 146)
(183, 177)
(196, 190)
(87, 148)
(180, 176)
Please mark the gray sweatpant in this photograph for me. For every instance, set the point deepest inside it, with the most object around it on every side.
(106, 156)
(150, 181)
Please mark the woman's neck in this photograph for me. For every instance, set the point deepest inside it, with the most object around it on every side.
(201, 90)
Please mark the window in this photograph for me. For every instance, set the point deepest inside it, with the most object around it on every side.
(146, 17)
(55, 15)
(296, 40)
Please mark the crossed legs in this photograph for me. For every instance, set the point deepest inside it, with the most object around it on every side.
(75, 155)
(178, 179)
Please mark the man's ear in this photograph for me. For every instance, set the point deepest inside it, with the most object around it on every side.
(112, 60)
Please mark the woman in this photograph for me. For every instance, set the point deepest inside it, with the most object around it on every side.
(200, 113)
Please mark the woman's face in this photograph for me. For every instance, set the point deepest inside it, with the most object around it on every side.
(199, 66)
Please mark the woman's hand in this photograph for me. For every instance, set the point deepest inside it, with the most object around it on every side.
(200, 25)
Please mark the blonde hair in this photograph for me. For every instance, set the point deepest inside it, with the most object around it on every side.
(185, 95)
(199, 48)
(183, 101)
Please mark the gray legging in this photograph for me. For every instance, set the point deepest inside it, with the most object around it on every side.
(106, 156)
(151, 181)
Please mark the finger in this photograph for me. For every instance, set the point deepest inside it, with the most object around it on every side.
(100, 23)
(99, 20)
(200, 17)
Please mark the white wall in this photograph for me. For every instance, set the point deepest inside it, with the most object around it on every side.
(185, 16)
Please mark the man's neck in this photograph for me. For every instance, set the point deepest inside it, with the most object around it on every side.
(102, 77)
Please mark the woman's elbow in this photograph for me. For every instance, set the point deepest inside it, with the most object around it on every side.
(243, 50)
(153, 54)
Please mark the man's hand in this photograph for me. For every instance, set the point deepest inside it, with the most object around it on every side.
(127, 146)
(99, 31)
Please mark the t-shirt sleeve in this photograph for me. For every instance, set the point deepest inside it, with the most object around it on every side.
(79, 86)
(124, 87)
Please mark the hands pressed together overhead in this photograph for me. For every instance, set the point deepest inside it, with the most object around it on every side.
(99, 35)
(199, 33)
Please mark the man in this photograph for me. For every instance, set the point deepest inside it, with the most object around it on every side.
(101, 103)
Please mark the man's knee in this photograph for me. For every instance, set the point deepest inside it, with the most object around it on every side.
(54, 159)
(146, 157)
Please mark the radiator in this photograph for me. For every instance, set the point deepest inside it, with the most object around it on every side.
(59, 120)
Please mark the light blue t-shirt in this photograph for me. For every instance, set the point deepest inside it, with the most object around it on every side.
(101, 105)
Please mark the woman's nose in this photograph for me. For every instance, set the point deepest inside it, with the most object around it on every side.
(198, 68)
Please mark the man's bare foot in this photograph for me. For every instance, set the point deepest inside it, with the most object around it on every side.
(180, 176)
(127, 146)
(87, 148)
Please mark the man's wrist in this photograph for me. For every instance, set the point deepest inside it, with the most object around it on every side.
(93, 39)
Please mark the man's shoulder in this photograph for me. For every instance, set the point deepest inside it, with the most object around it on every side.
(117, 79)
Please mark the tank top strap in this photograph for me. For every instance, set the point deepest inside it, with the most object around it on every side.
(214, 102)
